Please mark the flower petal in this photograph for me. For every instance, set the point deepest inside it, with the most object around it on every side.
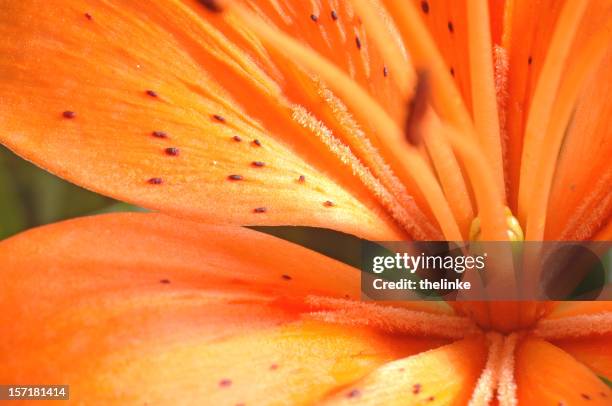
(546, 375)
(593, 352)
(137, 308)
(443, 376)
(182, 120)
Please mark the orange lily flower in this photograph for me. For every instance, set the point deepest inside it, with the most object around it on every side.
(386, 119)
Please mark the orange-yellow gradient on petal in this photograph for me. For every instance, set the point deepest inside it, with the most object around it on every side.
(137, 308)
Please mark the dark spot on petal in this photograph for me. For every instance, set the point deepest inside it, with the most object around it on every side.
(425, 7)
(219, 118)
(260, 210)
(257, 142)
(334, 15)
(385, 71)
(452, 72)
(165, 281)
(258, 164)
(358, 42)
(273, 367)
(314, 18)
(69, 114)
(302, 179)
(416, 388)
(152, 93)
(159, 134)
(418, 109)
(603, 395)
(451, 27)
(235, 177)
(530, 60)
(212, 5)
(585, 396)
(431, 399)
(88, 16)
(236, 138)
(155, 181)
(353, 394)
(225, 383)
(328, 203)
(172, 151)
(287, 277)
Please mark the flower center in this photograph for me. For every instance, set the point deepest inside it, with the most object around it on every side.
(514, 230)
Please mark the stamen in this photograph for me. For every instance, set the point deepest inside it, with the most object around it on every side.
(544, 97)
(575, 326)
(589, 57)
(484, 97)
(368, 110)
(390, 319)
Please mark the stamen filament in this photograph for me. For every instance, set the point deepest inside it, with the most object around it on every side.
(583, 64)
(367, 110)
(484, 95)
(544, 97)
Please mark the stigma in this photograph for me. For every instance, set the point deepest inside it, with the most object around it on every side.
(513, 230)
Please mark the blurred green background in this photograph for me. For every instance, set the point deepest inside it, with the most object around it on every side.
(31, 197)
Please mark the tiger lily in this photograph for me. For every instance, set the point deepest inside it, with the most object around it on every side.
(388, 120)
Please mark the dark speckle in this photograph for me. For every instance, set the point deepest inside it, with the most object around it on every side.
(224, 383)
(260, 210)
(425, 7)
(358, 42)
(328, 203)
(159, 134)
(211, 5)
(431, 399)
(172, 151)
(155, 181)
(88, 16)
(385, 71)
(302, 179)
(416, 388)
(258, 164)
(273, 367)
(450, 26)
(452, 72)
(219, 118)
(152, 93)
(314, 18)
(353, 394)
(165, 281)
(257, 143)
(287, 277)
(585, 396)
(334, 15)
(69, 114)
(235, 177)
(529, 60)
(236, 138)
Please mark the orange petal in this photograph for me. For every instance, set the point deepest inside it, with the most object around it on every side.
(570, 309)
(593, 352)
(546, 375)
(154, 123)
(444, 376)
(135, 308)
